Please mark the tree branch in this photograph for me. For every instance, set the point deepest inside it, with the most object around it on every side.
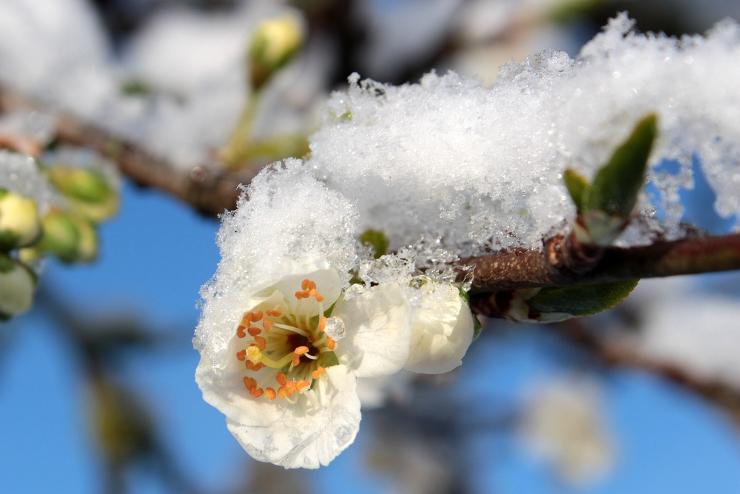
(208, 190)
(617, 354)
(563, 262)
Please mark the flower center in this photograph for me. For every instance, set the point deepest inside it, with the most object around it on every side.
(287, 345)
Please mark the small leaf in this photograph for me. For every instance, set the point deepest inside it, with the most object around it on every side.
(328, 359)
(581, 300)
(577, 186)
(617, 184)
(377, 240)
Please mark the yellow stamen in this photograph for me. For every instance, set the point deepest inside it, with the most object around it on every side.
(254, 354)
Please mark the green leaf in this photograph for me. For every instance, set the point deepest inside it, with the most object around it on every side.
(577, 186)
(377, 240)
(617, 184)
(581, 300)
(328, 359)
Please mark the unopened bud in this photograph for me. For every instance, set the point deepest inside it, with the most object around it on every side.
(88, 191)
(70, 237)
(19, 220)
(17, 284)
(273, 45)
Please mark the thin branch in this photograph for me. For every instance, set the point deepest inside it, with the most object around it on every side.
(208, 190)
(617, 354)
(563, 263)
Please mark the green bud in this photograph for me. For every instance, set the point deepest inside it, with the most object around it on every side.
(19, 221)
(17, 285)
(273, 45)
(377, 240)
(609, 201)
(577, 186)
(88, 191)
(70, 237)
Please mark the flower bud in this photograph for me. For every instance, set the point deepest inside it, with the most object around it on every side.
(273, 45)
(70, 237)
(17, 284)
(88, 191)
(19, 220)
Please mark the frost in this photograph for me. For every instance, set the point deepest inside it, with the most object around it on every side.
(21, 174)
(476, 168)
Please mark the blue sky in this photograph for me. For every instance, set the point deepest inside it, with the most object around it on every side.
(155, 256)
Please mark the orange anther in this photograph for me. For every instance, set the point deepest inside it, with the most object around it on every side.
(249, 383)
(240, 331)
(270, 393)
(241, 355)
(300, 295)
(281, 378)
(256, 392)
(274, 313)
(267, 325)
(261, 342)
(254, 331)
(302, 384)
(313, 293)
(322, 323)
(282, 392)
(318, 372)
(330, 343)
(290, 387)
(247, 318)
(254, 367)
(305, 284)
(300, 350)
(295, 360)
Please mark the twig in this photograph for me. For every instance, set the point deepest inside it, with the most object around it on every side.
(616, 354)
(562, 261)
(208, 191)
(556, 264)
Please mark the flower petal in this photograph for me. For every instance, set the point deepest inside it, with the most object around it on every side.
(442, 329)
(306, 434)
(378, 330)
(328, 284)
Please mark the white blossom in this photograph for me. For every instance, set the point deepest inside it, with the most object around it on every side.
(288, 390)
(563, 424)
(442, 329)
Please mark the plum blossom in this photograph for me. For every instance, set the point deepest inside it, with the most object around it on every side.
(289, 390)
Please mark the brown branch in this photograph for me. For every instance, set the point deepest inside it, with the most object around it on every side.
(617, 354)
(563, 261)
(207, 189)
(566, 263)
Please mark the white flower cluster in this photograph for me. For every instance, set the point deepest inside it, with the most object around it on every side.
(285, 337)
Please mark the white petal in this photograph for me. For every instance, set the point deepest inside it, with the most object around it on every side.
(442, 329)
(377, 331)
(327, 282)
(305, 434)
